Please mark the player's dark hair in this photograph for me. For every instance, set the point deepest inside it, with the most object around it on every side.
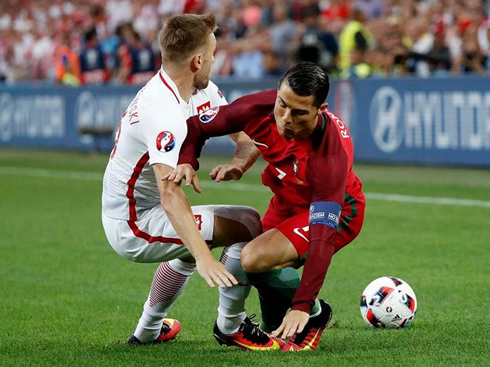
(183, 34)
(307, 79)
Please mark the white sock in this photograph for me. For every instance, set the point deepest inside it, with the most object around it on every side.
(231, 310)
(317, 302)
(170, 279)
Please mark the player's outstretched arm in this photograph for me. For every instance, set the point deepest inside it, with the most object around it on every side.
(246, 154)
(180, 214)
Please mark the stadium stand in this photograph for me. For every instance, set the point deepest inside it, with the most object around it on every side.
(47, 40)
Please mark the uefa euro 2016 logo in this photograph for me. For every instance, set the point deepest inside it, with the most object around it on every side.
(165, 141)
(209, 115)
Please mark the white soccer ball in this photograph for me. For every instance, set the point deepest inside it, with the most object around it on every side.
(388, 302)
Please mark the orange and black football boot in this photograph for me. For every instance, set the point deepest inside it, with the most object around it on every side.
(310, 336)
(169, 331)
(249, 337)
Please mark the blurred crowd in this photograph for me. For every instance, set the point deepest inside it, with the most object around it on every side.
(77, 42)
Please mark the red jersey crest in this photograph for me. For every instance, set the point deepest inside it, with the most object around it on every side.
(204, 107)
(198, 219)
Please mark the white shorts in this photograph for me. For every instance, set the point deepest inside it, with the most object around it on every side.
(152, 237)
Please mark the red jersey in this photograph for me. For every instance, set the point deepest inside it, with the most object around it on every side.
(318, 169)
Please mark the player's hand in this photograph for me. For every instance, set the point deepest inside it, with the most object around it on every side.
(226, 172)
(294, 322)
(184, 171)
(215, 272)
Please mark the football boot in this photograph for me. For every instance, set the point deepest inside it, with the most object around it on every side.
(310, 336)
(169, 331)
(249, 337)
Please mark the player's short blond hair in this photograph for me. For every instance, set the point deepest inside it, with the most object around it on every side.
(182, 35)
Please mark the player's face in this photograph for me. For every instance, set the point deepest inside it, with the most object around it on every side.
(296, 116)
(201, 79)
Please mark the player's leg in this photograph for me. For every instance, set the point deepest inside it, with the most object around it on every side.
(234, 225)
(232, 327)
(156, 241)
(136, 248)
(350, 225)
(172, 276)
(268, 261)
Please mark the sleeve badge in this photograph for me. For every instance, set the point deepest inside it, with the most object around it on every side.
(165, 141)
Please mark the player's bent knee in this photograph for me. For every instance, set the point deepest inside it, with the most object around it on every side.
(252, 261)
(245, 215)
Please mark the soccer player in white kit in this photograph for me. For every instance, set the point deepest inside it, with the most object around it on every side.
(148, 219)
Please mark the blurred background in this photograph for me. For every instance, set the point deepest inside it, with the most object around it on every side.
(411, 78)
(115, 41)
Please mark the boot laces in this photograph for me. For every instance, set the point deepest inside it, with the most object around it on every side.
(252, 331)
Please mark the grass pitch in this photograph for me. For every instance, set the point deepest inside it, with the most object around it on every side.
(66, 298)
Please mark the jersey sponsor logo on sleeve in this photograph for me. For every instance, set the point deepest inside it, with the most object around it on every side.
(165, 141)
(209, 115)
(204, 107)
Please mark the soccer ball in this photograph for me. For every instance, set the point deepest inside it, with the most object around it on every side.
(388, 302)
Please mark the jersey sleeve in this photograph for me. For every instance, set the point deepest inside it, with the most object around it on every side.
(224, 120)
(215, 96)
(163, 132)
(327, 172)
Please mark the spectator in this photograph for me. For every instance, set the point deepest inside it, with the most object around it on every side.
(92, 63)
(356, 36)
(403, 33)
(440, 57)
(317, 46)
(251, 13)
(282, 32)
(67, 63)
(248, 55)
(471, 58)
(422, 42)
(271, 63)
(359, 68)
(136, 58)
(371, 8)
(484, 42)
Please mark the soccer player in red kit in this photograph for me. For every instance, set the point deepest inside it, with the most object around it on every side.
(318, 203)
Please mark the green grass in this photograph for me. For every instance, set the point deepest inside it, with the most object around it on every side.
(66, 298)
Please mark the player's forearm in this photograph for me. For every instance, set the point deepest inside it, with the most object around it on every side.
(320, 254)
(179, 212)
(191, 149)
(246, 153)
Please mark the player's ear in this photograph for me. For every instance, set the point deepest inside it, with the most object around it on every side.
(198, 61)
(323, 108)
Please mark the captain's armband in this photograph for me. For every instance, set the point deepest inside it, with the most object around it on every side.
(325, 212)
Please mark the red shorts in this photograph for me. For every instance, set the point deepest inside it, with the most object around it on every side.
(294, 223)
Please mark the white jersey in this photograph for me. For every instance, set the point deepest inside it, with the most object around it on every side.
(152, 130)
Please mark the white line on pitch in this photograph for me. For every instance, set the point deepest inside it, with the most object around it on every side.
(236, 186)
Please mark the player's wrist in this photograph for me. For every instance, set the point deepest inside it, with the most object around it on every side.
(203, 255)
(301, 306)
(239, 164)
